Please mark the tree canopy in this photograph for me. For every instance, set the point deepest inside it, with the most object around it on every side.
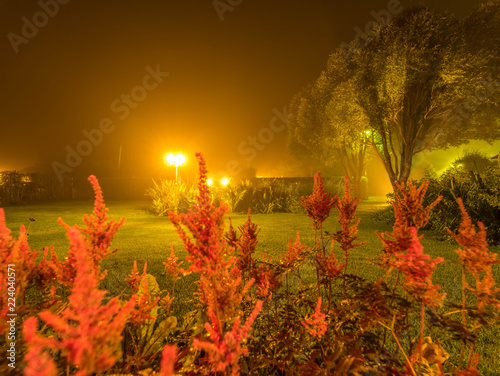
(426, 80)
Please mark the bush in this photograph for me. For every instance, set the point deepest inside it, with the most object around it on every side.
(22, 188)
(480, 194)
(474, 161)
(264, 196)
(279, 195)
(247, 318)
(232, 195)
(169, 196)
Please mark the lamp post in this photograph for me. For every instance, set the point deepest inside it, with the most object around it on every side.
(176, 160)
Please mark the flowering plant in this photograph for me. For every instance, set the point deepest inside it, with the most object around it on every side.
(319, 204)
(82, 327)
(255, 316)
(99, 233)
(220, 286)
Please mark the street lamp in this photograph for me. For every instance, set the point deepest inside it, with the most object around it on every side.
(176, 160)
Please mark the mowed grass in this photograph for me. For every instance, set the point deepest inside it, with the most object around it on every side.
(145, 237)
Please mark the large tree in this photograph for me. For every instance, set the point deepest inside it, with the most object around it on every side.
(418, 80)
(427, 80)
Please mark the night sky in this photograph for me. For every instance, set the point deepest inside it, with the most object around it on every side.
(164, 76)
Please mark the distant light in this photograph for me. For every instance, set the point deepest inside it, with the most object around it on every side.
(175, 160)
(224, 181)
(180, 159)
(210, 182)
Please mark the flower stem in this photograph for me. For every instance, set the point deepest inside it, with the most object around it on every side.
(399, 345)
(464, 317)
(421, 339)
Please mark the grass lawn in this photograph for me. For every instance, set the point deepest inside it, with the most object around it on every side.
(146, 238)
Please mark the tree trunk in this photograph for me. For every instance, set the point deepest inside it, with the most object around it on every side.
(353, 165)
(405, 164)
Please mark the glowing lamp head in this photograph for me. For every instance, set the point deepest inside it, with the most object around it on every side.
(170, 158)
(175, 160)
(210, 182)
(179, 159)
(224, 181)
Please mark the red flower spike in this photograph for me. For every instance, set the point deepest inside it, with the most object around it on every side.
(408, 211)
(246, 244)
(134, 277)
(316, 324)
(220, 287)
(475, 253)
(48, 272)
(144, 305)
(329, 266)
(5, 237)
(410, 203)
(85, 324)
(477, 259)
(99, 233)
(38, 360)
(168, 360)
(319, 204)
(347, 235)
(206, 248)
(266, 279)
(347, 214)
(295, 254)
(173, 267)
(231, 235)
(17, 252)
(417, 269)
(224, 351)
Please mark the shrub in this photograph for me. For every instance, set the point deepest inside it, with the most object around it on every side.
(231, 195)
(473, 161)
(270, 195)
(263, 196)
(21, 188)
(480, 194)
(169, 196)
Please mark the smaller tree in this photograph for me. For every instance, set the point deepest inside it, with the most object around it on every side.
(326, 123)
(349, 124)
